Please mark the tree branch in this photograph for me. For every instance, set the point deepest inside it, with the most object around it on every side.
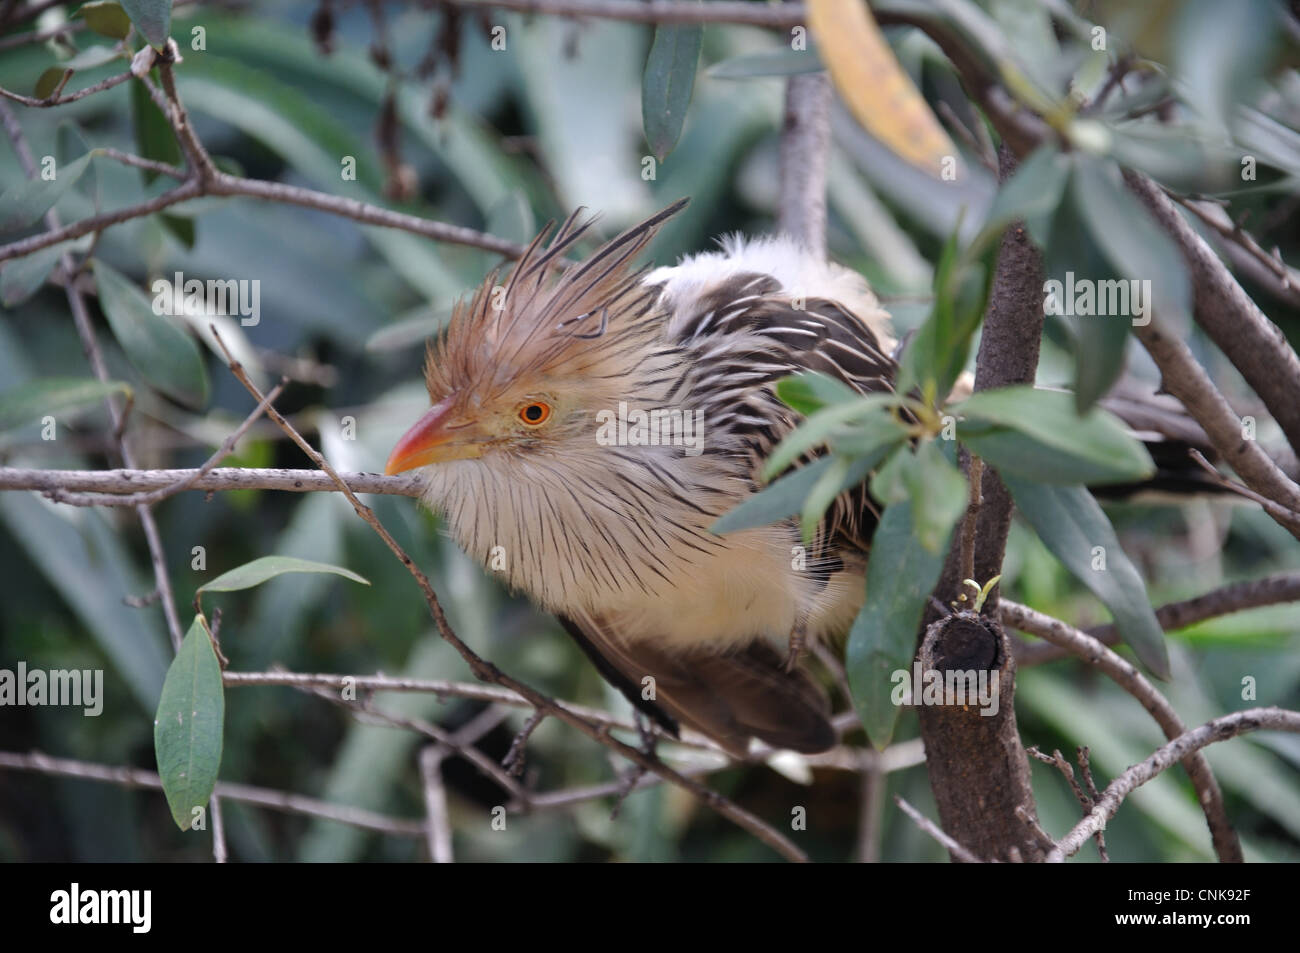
(1220, 729)
(1254, 344)
(978, 768)
(1208, 794)
(1235, 597)
(805, 153)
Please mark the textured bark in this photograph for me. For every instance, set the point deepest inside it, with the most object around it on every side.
(805, 151)
(1255, 345)
(978, 768)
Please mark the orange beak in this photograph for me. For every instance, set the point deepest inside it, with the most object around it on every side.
(431, 440)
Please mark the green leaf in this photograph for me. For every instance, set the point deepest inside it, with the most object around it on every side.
(1072, 525)
(268, 567)
(831, 421)
(936, 488)
(667, 83)
(163, 354)
(26, 201)
(1038, 435)
(781, 61)
(50, 395)
(180, 227)
(938, 351)
(901, 574)
(783, 498)
(187, 730)
(1031, 194)
(153, 18)
(1100, 340)
(822, 495)
(91, 57)
(23, 277)
(48, 82)
(810, 392)
(154, 138)
(1129, 238)
(105, 17)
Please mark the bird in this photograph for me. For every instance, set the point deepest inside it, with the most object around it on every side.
(591, 421)
(537, 454)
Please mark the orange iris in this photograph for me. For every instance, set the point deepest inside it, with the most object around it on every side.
(535, 414)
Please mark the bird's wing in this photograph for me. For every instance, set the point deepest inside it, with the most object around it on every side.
(746, 334)
(729, 696)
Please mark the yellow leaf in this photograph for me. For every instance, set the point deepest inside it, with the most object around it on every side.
(875, 87)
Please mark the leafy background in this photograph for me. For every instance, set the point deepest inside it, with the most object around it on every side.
(553, 122)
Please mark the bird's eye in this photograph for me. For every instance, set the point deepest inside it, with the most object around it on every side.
(535, 413)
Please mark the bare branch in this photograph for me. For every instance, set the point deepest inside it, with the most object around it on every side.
(113, 486)
(776, 16)
(805, 153)
(244, 793)
(1220, 729)
(1254, 344)
(438, 834)
(1235, 597)
(933, 829)
(1208, 794)
(57, 100)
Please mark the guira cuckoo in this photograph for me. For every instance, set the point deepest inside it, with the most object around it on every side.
(613, 536)
(608, 526)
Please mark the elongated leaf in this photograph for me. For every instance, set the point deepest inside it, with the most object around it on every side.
(268, 567)
(1072, 525)
(91, 57)
(153, 133)
(782, 61)
(809, 393)
(875, 87)
(1129, 238)
(667, 83)
(822, 494)
(936, 488)
(868, 412)
(785, 497)
(187, 730)
(23, 277)
(1073, 262)
(48, 82)
(939, 349)
(26, 201)
(900, 577)
(1038, 435)
(50, 395)
(153, 18)
(105, 17)
(163, 354)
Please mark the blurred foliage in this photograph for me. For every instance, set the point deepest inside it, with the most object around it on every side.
(506, 139)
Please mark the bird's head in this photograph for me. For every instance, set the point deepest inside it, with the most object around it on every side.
(525, 365)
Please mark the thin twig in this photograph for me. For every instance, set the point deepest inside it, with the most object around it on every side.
(1234, 597)
(1178, 749)
(57, 100)
(933, 829)
(244, 793)
(1208, 794)
(438, 835)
